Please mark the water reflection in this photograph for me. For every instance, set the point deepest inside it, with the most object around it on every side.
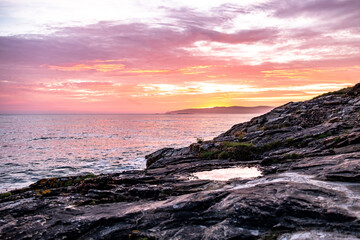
(226, 174)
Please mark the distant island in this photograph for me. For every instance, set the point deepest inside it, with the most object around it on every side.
(224, 110)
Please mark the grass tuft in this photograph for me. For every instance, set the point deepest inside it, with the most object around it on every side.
(270, 146)
(238, 144)
(224, 155)
(207, 155)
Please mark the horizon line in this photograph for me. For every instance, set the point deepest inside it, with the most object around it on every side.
(138, 113)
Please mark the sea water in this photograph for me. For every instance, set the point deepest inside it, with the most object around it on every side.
(33, 147)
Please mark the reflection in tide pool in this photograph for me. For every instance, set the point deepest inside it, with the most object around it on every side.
(226, 174)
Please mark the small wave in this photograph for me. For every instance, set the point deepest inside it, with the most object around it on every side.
(61, 160)
(12, 164)
(58, 138)
(43, 138)
(17, 180)
(66, 167)
(90, 160)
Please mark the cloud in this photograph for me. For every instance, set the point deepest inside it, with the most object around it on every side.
(226, 51)
(155, 45)
(316, 8)
(330, 14)
(127, 41)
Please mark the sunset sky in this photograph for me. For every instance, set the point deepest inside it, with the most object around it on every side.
(141, 56)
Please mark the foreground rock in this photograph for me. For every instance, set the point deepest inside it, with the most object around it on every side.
(309, 153)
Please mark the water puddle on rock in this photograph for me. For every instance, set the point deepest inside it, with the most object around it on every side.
(316, 235)
(226, 174)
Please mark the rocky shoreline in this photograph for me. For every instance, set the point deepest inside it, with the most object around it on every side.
(308, 153)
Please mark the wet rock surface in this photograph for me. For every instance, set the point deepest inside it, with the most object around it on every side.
(308, 152)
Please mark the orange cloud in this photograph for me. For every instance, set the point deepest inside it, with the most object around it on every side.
(216, 76)
(307, 73)
(195, 70)
(105, 68)
(85, 67)
(146, 71)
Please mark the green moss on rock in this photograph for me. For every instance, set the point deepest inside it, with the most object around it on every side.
(5, 195)
(224, 155)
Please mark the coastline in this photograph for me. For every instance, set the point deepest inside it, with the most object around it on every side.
(37, 146)
(308, 153)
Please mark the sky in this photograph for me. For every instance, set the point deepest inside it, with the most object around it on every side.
(140, 56)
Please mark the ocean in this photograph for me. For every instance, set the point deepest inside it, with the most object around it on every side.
(33, 147)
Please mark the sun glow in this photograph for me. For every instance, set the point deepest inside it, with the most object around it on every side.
(209, 88)
(197, 88)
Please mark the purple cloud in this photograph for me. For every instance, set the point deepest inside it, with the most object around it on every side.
(142, 45)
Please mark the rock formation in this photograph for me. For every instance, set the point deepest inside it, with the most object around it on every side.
(309, 155)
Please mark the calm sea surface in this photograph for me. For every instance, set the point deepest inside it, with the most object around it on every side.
(33, 147)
